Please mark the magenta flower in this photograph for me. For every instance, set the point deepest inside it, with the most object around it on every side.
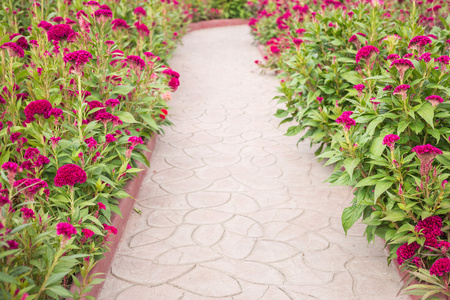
(31, 153)
(38, 107)
(297, 42)
(112, 102)
(426, 154)
(110, 229)
(27, 213)
(142, 29)
(70, 175)
(135, 140)
(118, 24)
(66, 230)
(110, 138)
(345, 120)
(393, 56)
(354, 39)
(101, 206)
(4, 200)
(13, 49)
(30, 186)
(78, 59)
(87, 232)
(418, 43)
(408, 55)
(55, 141)
(103, 15)
(359, 88)
(140, 11)
(45, 25)
(390, 139)
(135, 62)
(406, 251)
(401, 90)
(366, 53)
(434, 100)
(426, 57)
(59, 32)
(443, 60)
(171, 73)
(21, 42)
(440, 266)
(387, 88)
(174, 83)
(320, 99)
(402, 65)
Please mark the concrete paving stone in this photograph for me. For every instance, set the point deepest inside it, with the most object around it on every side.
(233, 209)
(204, 282)
(144, 272)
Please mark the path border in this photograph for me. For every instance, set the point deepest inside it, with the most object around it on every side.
(126, 207)
(216, 23)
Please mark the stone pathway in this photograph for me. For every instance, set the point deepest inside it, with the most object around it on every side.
(231, 208)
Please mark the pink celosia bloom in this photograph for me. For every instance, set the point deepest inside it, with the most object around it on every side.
(91, 142)
(426, 154)
(45, 25)
(297, 42)
(345, 120)
(70, 175)
(104, 117)
(12, 169)
(402, 65)
(110, 229)
(171, 73)
(134, 140)
(27, 213)
(78, 59)
(59, 32)
(426, 57)
(101, 205)
(37, 107)
(13, 49)
(401, 90)
(418, 262)
(103, 15)
(112, 102)
(167, 96)
(359, 88)
(444, 246)
(408, 55)
(387, 88)
(55, 141)
(366, 53)
(12, 244)
(174, 83)
(418, 43)
(14, 136)
(443, 60)
(406, 251)
(135, 62)
(30, 186)
(110, 138)
(31, 153)
(66, 230)
(320, 99)
(21, 42)
(119, 24)
(87, 232)
(142, 29)
(104, 6)
(440, 267)
(92, 3)
(4, 200)
(140, 11)
(434, 100)
(354, 39)
(41, 160)
(390, 139)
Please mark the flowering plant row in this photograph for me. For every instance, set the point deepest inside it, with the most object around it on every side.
(83, 85)
(368, 83)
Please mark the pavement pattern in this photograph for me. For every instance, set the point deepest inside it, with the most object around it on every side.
(232, 208)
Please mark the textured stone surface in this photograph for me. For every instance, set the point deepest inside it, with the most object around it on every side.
(234, 210)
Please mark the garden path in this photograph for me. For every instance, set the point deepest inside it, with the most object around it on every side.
(232, 208)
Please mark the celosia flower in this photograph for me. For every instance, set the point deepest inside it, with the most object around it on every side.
(406, 251)
(390, 139)
(91, 142)
(387, 88)
(103, 15)
(101, 206)
(134, 140)
(37, 107)
(345, 120)
(55, 141)
(30, 186)
(13, 49)
(171, 73)
(21, 42)
(426, 57)
(174, 83)
(359, 88)
(110, 138)
(142, 29)
(354, 39)
(297, 42)
(443, 60)
(112, 102)
(119, 24)
(366, 53)
(110, 229)
(418, 43)
(59, 32)
(426, 154)
(408, 55)
(27, 213)
(66, 230)
(401, 90)
(402, 65)
(434, 100)
(418, 262)
(87, 232)
(393, 56)
(320, 99)
(444, 246)
(135, 62)
(70, 175)
(4, 200)
(12, 244)
(140, 11)
(45, 25)
(105, 117)
(31, 153)
(78, 59)
(440, 266)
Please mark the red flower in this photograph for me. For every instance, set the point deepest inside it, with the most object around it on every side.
(13, 49)
(135, 62)
(142, 29)
(102, 15)
(27, 213)
(59, 32)
(366, 53)
(434, 100)
(119, 24)
(65, 229)
(70, 174)
(345, 120)
(406, 251)
(87, 232)
(78, 59)
(440, 266)
(39, 107)
(418, 43)
(174, 83)
(140, 11)
(390, 139)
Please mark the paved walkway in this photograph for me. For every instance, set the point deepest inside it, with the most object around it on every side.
(231, 208)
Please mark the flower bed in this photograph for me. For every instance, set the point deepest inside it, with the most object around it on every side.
(368, 82)
(79, 97)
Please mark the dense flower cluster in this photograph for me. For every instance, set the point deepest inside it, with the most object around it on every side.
(345, 120)
(118, 24)
(434, 100)
(440, 266)
(59, 32)
(366, 53)
(406, 251)
(135, 62)
(65, 229)
(390, 139)
(78, 59)
(70, 174)
(13, 49)
(430, 228)
(38, 107)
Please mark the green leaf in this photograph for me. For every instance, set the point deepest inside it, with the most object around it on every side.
(368, 181)
(60, 291)
(381, 187)
(351, 77)
(394, 216)
(122, 89)
(293, 130)
(126, 117)
(150, 121)
(7, 278)
(377, 146)
(350, 165)
(350, 215)
(427, 113)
